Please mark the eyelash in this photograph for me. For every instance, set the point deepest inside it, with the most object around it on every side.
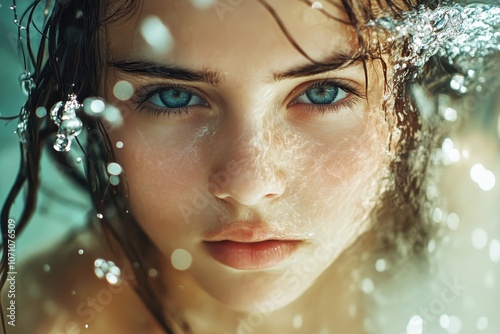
(142, 98)
(347, 102)
(147, 93)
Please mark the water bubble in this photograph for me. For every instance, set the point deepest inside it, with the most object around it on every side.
(415, 325)
(78, 160)
(494, 250)
(100, 216)
(482, 323)
(114, 180)
(453, 220)
(431, 246)
(62, 143)
(123, 90)
(367, 285)
(479, 238)
(156, 34)
(484, 178)
(317, 5)
(203, 4)
(444, 321)
(437, 215)
(450, 114)
(71, 127)
(86, 325)
(27, 83)
(381, 265)
(41, 112)
(119, 144)
(455, 324)
(297, 321)
(153, 272)
(113, 116)
(181, 259)
(80, 251)
(457, 83)
(93, 106)
(114, 168)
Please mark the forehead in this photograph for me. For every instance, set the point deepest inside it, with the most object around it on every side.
(249, 30)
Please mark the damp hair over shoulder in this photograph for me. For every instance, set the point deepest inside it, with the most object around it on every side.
(70, 59)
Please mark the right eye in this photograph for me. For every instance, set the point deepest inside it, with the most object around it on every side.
(172, 98)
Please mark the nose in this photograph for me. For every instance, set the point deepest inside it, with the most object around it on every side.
(247, 172)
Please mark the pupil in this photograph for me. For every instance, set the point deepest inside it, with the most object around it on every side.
(175, 98)
(323, 94)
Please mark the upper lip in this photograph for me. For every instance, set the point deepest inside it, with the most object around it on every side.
(246, 231)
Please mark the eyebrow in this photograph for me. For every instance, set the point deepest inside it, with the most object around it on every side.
(155, 70)
(334, 62)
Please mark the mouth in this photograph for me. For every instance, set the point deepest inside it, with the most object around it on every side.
(251, 255)
(250, 246)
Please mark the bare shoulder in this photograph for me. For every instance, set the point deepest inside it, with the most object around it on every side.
(57, 292)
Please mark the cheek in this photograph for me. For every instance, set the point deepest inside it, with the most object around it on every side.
(162, 177)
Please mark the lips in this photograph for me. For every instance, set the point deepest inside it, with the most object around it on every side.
(247, 246)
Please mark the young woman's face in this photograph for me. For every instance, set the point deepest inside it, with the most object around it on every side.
(249, 167)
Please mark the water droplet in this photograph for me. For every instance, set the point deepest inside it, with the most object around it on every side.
(119, 144)
(86, 325)
(78, 160)
(112, 279)
(479, 238)
(153, 272)
(114, 180)
(450, 114)
(71, 127)
(444, 321)
(381, 265)
(93, 106)
(457, 83)
(41, 112)
(62, 143)
(114, 168)
(123, 90)
(297, 321)
(482, 323)
(431, 246)
(484, 178)
(100, 216)
(455, 324)
(367, 285)
(494, 250)
(453, 220)
(80, 251)
(317, 5)
(437, 215)
(181, 259)
(203, 4)
(415, 325)
(156, 34)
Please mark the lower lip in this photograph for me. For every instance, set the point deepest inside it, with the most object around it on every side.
(251, 255)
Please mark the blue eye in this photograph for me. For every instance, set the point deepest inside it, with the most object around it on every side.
(174, 98)
(323, 93)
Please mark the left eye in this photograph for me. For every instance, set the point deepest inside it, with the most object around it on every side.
(174, 98)
(322, 94)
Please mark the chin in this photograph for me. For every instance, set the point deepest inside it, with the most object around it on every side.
(257, 291)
